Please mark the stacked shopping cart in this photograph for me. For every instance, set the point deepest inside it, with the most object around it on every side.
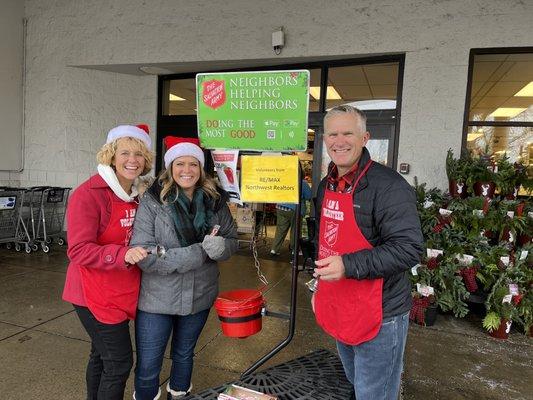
(32, 217)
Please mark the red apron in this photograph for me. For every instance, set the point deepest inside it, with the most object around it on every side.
(112, 294)
(350, 310)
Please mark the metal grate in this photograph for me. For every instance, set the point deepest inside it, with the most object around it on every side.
(318, 375)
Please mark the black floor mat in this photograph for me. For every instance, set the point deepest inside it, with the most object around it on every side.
(318, 375)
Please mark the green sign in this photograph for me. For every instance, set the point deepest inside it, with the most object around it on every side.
(264, 111)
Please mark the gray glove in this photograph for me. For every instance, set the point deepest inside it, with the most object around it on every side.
(214, 246)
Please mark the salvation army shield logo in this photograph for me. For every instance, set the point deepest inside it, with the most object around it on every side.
(213, 93)
(332, 233)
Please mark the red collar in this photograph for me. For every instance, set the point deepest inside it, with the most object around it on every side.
(341, 184)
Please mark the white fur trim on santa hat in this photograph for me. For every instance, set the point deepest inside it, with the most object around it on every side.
(184, 149)
(129, 131)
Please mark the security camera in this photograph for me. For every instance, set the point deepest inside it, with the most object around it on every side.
(278, 40)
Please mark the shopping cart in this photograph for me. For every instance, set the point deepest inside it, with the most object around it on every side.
(51, 217)
(13, 228)
(29, 213)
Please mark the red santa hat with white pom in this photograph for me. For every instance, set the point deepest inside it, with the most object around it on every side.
(180, 146)
(141, 132)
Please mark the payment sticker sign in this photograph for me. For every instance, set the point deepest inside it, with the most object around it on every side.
(8, 202)
(269, 179)
(264, 111)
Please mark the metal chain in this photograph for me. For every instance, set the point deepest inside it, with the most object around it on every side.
(257, 265)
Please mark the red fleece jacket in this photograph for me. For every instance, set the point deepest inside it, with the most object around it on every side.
(88, 214)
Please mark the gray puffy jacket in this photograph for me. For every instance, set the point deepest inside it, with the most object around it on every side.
(185, 280)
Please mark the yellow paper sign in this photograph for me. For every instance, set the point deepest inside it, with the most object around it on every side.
(269, 179)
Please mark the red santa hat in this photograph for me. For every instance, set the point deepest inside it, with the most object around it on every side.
(141, 132)
(179, 147)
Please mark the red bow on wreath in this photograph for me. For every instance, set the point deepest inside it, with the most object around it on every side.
(418, 310)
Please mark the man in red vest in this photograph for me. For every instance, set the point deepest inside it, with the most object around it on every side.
(369, 238)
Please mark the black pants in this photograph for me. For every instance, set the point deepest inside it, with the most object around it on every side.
(111, 357)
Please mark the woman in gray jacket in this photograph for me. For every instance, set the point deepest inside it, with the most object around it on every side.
(178, 214)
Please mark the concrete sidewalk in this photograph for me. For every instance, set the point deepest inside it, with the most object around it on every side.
(44, 349)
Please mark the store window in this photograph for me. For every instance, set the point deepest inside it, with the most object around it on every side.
(499, 107)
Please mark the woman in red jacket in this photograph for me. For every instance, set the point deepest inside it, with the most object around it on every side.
(102, 278)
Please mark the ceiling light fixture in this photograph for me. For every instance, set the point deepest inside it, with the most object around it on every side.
(314, 91)
(507, 112)
(331, 93)
(173, 97)
(474, 136)
(526, 91)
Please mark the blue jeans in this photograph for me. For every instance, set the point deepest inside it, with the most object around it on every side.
(152, 332)
(374, 368)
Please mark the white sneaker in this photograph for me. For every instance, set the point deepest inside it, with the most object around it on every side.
(177, 394)
(155, 398)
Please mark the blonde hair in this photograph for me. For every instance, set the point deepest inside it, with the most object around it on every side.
(205, 183)
(107, 153)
